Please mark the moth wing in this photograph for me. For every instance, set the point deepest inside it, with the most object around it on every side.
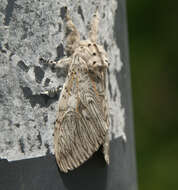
(80, 133)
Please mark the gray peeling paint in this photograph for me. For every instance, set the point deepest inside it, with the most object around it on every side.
(29, 30)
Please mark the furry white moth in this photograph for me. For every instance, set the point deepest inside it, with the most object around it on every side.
(82, 123)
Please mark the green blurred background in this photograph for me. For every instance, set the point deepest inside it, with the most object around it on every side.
(153, 41)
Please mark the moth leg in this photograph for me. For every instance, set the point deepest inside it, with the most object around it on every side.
(52, 92)
(106, 148)
(73, 37)
(62, 63)
(94, 27)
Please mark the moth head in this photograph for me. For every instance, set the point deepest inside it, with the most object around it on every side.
(98, 57)
(93, 54)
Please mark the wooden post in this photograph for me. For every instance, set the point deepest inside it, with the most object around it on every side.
(29, 30)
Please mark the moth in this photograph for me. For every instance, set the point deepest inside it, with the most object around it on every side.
(82, 123)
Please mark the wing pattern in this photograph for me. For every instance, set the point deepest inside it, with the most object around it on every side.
(80, 133)
(82, 121)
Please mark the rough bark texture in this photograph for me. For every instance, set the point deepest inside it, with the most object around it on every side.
(29, 30)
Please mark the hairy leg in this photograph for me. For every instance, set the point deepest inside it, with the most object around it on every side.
(52, 92)
(62, 63)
